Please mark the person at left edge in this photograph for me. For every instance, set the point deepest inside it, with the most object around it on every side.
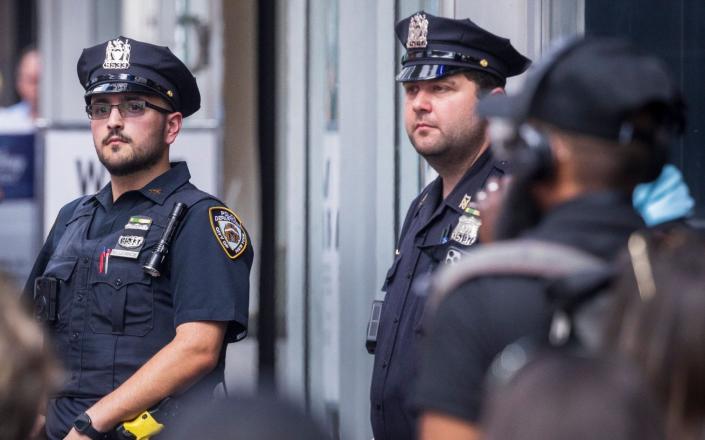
(126, 339)
(448, 65)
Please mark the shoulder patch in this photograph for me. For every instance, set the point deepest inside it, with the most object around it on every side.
(228, 230)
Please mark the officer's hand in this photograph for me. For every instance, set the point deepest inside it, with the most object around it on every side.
(489, 202)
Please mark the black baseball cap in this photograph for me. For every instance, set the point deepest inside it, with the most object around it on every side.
(127, 65)
(439, 46)
(591, 86)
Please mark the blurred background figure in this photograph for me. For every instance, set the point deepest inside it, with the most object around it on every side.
(256, 418)
(27, 86)
(572, 396)
(27, 372)
(658, 322)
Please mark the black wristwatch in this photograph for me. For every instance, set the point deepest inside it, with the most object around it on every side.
(84, 425)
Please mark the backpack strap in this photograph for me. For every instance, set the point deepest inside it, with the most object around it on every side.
(522, 257)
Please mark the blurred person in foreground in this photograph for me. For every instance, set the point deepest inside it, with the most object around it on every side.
(143, 284)
(449, 64)
(246, 418)
(594, 119)
(27, 77)
(567, 395)
(658, 323)
(27, 372)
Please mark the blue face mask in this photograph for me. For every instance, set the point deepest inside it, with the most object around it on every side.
(666, 198)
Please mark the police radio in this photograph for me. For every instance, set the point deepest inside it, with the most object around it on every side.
(45, 289)
(373, 326)
(154, 263)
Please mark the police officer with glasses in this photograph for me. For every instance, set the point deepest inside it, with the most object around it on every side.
(141, 285)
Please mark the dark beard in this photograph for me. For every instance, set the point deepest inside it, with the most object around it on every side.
(143, 162)
(461, 150)
(519, 210)
(137, 164)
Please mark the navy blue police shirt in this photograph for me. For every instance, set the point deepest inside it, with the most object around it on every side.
(112, 316)
(424, 243)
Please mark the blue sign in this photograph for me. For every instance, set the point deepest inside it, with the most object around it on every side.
(16, 166)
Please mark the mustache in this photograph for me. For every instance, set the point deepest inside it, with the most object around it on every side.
(116, 133)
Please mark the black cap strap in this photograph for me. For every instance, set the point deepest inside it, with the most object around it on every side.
(441, 54)
(126, 77)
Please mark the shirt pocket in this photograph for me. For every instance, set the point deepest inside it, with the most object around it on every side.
(122, 301)
(62, 268)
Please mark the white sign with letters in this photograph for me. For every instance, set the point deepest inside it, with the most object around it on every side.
(72, 169)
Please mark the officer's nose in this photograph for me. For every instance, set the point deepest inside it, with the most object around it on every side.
(115, 119)
(421, 102)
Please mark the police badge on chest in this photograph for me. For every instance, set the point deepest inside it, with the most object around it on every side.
(464, 234)
(131, 239)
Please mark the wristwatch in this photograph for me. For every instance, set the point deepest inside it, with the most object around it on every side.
(84, 425)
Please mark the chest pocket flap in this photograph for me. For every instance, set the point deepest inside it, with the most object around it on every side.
(122, 301)
(61, 267)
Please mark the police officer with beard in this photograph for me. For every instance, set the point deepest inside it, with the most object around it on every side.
(142, 284)
(448, 65)
(594, 118)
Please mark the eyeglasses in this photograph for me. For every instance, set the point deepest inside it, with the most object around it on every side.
(127, 109)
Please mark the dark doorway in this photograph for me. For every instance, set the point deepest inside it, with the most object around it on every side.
(675, 31)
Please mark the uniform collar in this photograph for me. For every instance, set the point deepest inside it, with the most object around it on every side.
(430, 197)
(157, 190)
(164, 185)
(473, 179)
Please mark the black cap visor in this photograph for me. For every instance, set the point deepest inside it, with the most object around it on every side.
(423, 72)
(125, 83)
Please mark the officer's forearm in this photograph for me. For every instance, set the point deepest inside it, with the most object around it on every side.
(189, 356)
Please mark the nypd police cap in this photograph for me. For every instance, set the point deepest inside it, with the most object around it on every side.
(438, 46)
(126, 65)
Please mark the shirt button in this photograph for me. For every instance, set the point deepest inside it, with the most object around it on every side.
(118, 282)
(378, 406)
(79, 298)
(409, 274)
(74, 336)
(396, 320)
(85, 260)
(384, 365)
